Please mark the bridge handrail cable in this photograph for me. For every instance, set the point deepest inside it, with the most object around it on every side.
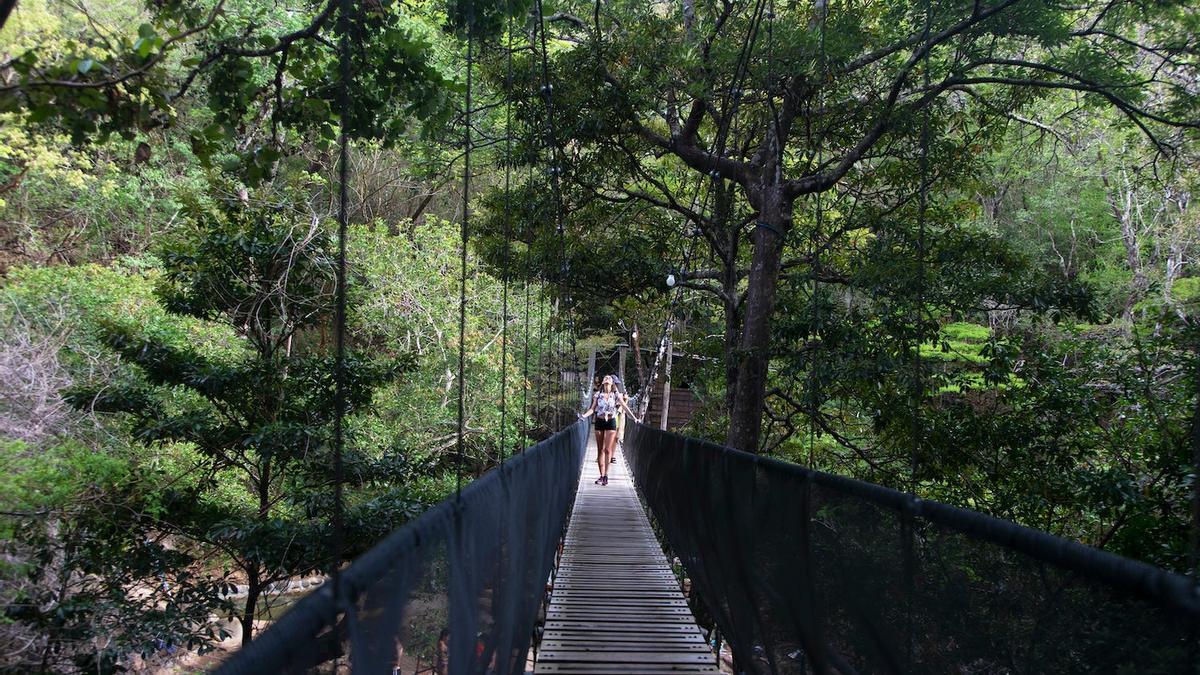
(475, 565)
(801, 567)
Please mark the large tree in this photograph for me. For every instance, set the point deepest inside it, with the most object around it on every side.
(788, 101)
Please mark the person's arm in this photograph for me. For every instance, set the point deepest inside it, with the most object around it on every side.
(622, 400)
(590, 409)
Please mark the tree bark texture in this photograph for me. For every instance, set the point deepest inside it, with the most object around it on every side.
(753, 355)
(666, 395)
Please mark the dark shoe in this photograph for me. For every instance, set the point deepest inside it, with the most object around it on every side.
(600, 480)
(605, 479)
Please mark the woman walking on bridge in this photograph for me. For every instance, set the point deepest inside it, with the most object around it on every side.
(605, 404)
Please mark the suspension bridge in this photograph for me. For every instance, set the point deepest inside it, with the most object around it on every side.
(694, 547)
(794, 570)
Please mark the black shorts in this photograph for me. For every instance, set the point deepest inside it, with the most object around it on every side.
(606, 425)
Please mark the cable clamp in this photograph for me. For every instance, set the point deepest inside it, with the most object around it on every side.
(765, 224)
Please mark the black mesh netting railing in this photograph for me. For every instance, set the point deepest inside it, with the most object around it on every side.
(457, 590)
(809, 572)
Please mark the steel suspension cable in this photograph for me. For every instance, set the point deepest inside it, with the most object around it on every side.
(731, 101)
(908, 527)
(922, 207)
(818, 228)
(555, 171)
(460, 450)
(525, 358)
(741, 70)
(504, 274)
(525, 376)
(677, 294)
(543, 353)
(337, 544)
(551, 137)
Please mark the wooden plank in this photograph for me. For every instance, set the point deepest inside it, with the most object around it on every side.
(583, 648)
(665, 631)
(637, 615)
(650, 600)
(616, 633)
(581, 623)
(644, 609)
(609, 656)
(621, 668)
(601, 592)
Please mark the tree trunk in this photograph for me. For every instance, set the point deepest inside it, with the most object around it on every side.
(1195, 442)
(253, 590)
(689, 19)
(1133, 257)
(620, 370)
(731, 340)
(635, 342)
(753, 356)
(254, 581)
(722, 205)
(646, 388)
(666, 395)
(591, 376)
(1122, 201)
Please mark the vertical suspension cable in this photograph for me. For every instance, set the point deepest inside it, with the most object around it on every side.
(556, 190)
(339, 366)
(818, 227)
(730, 100)
(922, 206)
(525, 358)
(741, 71)
(504, 274)
(677, 294)
(575, 365)
(525, 376)
(543, 353)
(551, 137)
(460, 450)
(908, 520)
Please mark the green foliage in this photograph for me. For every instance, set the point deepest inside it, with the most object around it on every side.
(87, 296)
(262, 413)
(64, 204)
(172, 231)
(409, 302)
(79, 534)
(97, 75)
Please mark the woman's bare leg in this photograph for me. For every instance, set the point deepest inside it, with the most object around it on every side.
(612, 446)
(610, 440)
(600, 463)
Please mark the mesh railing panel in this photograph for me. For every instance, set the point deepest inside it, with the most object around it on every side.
(809, 572)
(473, 566)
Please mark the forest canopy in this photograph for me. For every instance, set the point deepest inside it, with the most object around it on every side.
(946, 247)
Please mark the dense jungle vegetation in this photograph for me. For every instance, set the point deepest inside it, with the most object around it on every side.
(947, 247)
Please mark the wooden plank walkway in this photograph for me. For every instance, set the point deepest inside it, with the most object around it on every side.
(616, 606)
